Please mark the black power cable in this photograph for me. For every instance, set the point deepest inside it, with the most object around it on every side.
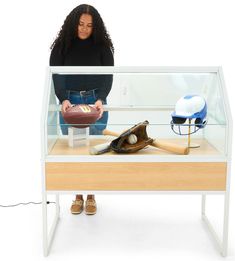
(26, 203)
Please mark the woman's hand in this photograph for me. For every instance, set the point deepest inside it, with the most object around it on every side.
(65, 105)
(99, 107)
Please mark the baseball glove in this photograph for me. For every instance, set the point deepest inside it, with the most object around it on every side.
(121, 145)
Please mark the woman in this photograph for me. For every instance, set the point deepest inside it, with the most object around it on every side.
(83, 41)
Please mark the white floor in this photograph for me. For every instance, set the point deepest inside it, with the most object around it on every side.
(136, 227)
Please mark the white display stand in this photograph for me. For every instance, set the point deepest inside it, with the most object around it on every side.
(205, 171)
(78, 137)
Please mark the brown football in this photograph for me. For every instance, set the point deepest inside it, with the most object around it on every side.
(81, 115)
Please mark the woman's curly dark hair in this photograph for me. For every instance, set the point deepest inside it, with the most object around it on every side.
(68, 31)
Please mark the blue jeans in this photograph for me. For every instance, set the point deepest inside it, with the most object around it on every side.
(95, 129)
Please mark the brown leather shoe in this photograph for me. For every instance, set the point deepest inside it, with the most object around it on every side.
(77, 206)
(90, 206)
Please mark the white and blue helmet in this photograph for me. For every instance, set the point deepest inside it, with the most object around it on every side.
(191, 107)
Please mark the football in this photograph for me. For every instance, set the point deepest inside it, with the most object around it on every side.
(81, 115)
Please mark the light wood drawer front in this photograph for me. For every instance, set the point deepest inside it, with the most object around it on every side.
(136, 176)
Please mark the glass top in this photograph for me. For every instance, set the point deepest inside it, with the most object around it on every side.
(138, 96)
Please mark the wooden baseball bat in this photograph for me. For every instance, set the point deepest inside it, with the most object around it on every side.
(171, 147)
(111, 133)
(168, 146)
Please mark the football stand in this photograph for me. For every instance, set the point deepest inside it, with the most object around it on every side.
(78, 137)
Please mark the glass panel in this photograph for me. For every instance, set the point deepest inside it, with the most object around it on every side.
(136, 97)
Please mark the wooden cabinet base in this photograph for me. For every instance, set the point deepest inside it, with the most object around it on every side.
(108, 176)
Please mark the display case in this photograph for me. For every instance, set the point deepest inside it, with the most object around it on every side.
(139, 94)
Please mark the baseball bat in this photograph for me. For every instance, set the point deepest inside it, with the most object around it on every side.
(168, 146)
(111, 133)
(100, 149)
(171, 147)
(104, 147)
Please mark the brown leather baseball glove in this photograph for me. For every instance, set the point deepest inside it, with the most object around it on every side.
(121, 144)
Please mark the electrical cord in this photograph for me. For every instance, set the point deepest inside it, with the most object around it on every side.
(26, 203)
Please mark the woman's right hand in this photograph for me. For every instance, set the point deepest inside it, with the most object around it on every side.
(65, 105)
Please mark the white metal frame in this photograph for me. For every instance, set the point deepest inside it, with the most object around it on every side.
(48, 234)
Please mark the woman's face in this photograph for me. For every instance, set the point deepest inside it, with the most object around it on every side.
(85, 26)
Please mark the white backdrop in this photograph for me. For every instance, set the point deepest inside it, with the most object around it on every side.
(150, 32)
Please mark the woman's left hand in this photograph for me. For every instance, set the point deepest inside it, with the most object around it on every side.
(99, 107)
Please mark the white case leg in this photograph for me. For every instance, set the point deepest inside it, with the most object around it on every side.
(48, 238)
(222, 244)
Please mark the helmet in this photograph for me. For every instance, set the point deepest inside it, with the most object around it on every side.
(192, 107)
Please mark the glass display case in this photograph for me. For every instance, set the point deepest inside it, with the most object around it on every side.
(139, 94)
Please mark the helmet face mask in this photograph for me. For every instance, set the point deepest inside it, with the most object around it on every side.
(183, 128)
(191, 108)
